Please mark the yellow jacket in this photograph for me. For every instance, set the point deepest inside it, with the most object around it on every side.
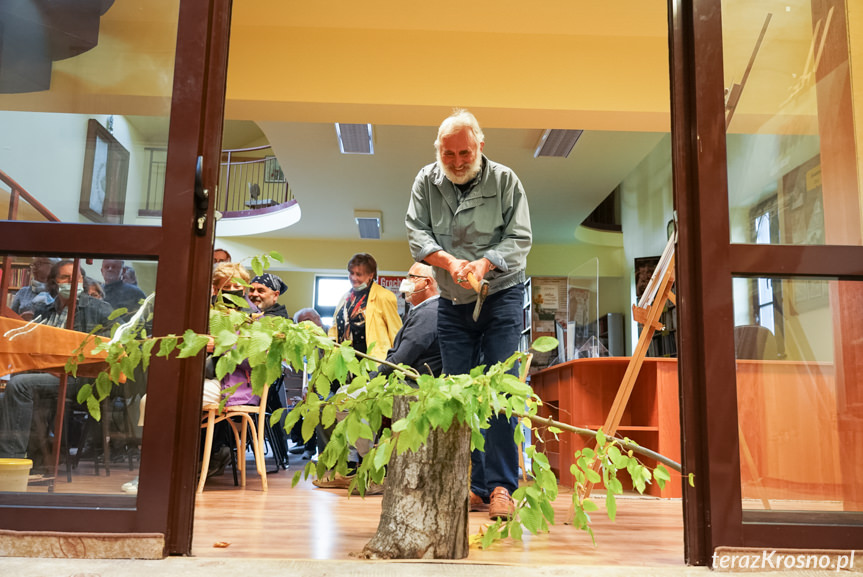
(382, 320)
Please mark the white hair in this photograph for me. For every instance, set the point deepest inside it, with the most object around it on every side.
(458, 120)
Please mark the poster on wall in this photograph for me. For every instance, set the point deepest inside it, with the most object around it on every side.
(392, 284)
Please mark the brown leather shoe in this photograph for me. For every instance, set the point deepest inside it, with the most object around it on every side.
(501, 504)
(476, 503)
(337, 481)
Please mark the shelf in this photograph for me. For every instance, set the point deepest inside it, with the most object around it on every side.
(584, 390)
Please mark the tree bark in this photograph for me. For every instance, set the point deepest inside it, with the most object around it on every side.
(425, 502)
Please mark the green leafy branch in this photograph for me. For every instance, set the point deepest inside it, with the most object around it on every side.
(347, 393)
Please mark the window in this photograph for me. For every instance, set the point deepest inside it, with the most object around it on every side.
(328, 292)
(767, 292)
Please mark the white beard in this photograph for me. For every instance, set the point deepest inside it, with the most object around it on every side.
(467, 176)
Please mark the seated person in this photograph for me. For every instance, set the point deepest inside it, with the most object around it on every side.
(94, 288)
(265, 292)
(223, 282)
(35, 292)
(16, 413)
(118, 293)
(416, 344)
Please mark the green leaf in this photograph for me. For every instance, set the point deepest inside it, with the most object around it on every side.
(225, 339)
(544, 344)
(94, 408)
(85, 391)
(492, 533)
(516, 531)
(192, 344)
(277, 256)
(277, 416)
(117, 312)
(589, 505)
(382, 455)
(611, 506)
(147, 352)
(257, 266)
(260, 342)
(167, 346)
(328, 416)
(600, 438)
(660, 473)
(592, 475)
(234, 299)
(310, 421)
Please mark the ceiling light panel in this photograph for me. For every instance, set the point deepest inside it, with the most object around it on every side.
(556, 142)
(355, 138)
(369, 223)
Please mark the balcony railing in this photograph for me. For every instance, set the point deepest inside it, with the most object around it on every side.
(250, 181)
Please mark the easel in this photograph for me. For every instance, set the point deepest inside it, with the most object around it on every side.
(647, 312)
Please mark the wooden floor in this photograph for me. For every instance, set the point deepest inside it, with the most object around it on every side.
(305, 522)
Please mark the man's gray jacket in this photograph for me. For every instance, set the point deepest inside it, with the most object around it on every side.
(492, 221)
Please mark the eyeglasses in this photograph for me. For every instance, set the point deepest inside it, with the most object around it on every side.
(417, 276)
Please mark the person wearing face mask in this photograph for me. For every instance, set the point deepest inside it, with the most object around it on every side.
(368, 313)
(416, 345)
(37, 291)
(225, 282)
(366, 316)
(16, 414)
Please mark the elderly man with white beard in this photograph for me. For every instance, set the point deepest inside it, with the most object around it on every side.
(469, 215)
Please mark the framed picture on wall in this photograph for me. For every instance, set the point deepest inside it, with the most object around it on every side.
(106, 170)
(272, 170)
(644, 268)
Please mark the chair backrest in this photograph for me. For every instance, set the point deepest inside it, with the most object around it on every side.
(754, 342)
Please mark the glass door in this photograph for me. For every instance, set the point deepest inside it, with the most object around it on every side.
(111, 115)
(766, 171)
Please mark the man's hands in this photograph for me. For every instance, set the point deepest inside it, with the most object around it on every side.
(459, 268)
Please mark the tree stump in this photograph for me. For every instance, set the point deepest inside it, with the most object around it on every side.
(425, 502)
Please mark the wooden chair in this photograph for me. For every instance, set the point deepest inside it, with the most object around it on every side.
(240, 427)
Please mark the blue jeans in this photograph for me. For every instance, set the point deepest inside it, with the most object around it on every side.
(465, 344)
(17, 410)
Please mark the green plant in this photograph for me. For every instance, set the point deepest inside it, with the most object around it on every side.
(345, 381)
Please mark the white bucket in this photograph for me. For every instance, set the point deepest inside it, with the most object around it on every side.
(14, 474)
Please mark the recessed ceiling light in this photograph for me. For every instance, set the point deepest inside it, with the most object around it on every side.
(369, 223)
(557, 142)
(355, 138)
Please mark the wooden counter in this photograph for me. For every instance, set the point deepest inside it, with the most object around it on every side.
(788, 415)
(581, 392)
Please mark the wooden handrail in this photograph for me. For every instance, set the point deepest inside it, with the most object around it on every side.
(18, 191)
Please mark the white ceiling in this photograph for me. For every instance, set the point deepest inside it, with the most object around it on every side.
(329, 185)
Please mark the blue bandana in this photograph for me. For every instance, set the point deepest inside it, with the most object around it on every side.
(272, 282)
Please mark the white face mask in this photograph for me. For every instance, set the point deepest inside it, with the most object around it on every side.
(37, 286)
(362, 287)
(407, 287)
(64, 289)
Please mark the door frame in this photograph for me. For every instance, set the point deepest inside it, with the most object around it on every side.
(707, 261)
(169, 462)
